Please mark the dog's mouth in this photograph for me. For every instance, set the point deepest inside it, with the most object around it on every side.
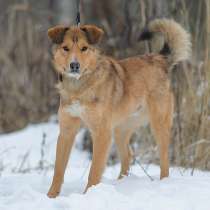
(76, 74)
(73, 74)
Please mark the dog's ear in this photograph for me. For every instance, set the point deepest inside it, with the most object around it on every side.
(56, 34)
(93, 33)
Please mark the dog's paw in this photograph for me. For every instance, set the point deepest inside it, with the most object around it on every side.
(53, 192)
(122, 175)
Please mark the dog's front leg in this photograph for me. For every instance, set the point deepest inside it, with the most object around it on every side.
(68, 129)
(101, 144)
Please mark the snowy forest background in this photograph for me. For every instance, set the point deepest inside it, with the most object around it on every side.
(27, 79)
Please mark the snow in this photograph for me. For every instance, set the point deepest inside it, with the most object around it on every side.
(25, 179)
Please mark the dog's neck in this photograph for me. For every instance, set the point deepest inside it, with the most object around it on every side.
(72, 86)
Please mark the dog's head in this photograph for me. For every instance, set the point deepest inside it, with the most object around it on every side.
(75, 54)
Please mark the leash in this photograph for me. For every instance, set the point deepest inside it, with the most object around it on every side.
(137, 161)
(78, 13)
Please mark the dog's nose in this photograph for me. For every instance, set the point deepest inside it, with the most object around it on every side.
(74, 67)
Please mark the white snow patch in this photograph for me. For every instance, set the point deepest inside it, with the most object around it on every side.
(26, 191)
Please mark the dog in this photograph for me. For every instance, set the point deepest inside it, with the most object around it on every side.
(113, 97)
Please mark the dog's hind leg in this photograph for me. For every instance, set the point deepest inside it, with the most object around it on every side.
(122, 137)
(68, 129)
(161, 115)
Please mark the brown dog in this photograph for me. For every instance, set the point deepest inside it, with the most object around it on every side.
(113, 96)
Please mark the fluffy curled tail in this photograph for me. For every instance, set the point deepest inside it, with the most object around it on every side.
(177, 44)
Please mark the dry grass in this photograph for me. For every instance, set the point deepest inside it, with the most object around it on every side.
(26, 79)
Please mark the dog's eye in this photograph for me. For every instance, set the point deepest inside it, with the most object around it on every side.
(65, 48)
(84, 49)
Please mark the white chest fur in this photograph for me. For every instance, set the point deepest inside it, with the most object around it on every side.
(75, 109)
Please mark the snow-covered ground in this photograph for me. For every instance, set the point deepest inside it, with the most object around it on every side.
(26, 162)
